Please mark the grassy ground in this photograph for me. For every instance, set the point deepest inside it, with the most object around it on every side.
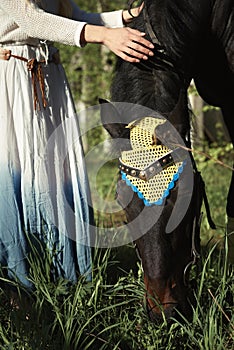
(108, 313)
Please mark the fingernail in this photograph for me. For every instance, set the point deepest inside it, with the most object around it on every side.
(151, 53)
(151, 46)
(145, 57)
(142, 33)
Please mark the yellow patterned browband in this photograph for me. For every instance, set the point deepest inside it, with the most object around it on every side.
(151, 170)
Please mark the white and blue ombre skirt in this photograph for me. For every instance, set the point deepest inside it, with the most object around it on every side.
(44, 192)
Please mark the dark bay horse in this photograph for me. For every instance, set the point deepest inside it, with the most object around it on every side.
(193, 40)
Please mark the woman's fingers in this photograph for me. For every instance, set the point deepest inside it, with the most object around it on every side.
(143, 46)
(135, 52)
(139, 43)
(139, 47)
(129, 44)
(139, 36)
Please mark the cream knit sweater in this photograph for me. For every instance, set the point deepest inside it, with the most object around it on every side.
(22, 22)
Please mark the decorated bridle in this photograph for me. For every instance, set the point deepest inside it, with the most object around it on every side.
(151, 170)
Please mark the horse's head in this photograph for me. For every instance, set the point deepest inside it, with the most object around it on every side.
(156, 196)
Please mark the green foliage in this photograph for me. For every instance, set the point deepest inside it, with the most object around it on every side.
(109, 313)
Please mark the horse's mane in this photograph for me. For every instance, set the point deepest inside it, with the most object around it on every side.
(175, 25)
(222, 19)
(185, 29)
(183, 24)
(179, 25)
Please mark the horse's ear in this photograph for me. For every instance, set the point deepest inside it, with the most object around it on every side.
(111, 119)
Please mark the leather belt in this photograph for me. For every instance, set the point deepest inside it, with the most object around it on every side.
(35, 67)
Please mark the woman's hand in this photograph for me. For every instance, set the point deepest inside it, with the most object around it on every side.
(127, 43)
(128, 17)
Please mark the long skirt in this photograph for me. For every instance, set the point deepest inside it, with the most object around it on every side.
(45, 200)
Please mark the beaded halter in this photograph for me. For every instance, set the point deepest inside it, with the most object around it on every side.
(150, 170)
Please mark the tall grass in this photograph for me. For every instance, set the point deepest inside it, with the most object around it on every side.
(111, 315)
(108, 313)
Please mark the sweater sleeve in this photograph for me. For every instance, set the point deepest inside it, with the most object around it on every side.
(37, 23)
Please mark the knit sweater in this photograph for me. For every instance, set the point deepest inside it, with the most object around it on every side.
(24, 22)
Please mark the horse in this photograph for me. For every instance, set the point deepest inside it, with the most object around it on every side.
(193, 40)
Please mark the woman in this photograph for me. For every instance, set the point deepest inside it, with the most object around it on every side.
(44, 192)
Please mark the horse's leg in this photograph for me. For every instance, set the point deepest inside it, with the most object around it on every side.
(228, 113)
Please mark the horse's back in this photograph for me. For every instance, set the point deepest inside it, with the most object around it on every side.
(214, 69)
